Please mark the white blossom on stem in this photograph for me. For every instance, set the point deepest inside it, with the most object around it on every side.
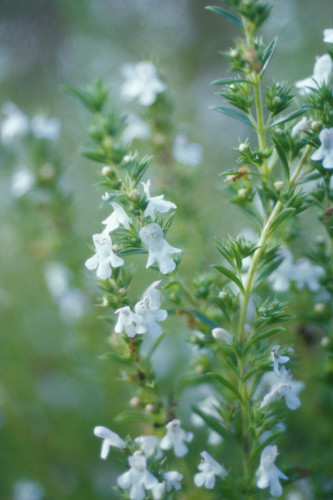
(156, 203)
(118, 218)
(328, 35)
(321, 74)
(277, 359)
(281, 276)
(223, 335)
(325, 152)
(175, 438)
(16, 124)
(109, 439)
(300, 128)
(158, 249)
(141, 83)
(173, 480)
(104, 258)
(45, 128)
(268, 475)
(149, 309)
(149, 445)
(209, 468)
(137, 479)
(135, 128)
(21, 182)
(285, 387)
(186, 152)
(209, 406)
(129, 322)
(307, 275)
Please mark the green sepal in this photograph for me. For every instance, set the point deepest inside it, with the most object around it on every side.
(226, 384)
(267, 55)
(283, 158)
(226, 14)
(291, 116)
(234, 113)
(230, 275)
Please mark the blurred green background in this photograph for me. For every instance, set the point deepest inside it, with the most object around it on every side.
(53, 387)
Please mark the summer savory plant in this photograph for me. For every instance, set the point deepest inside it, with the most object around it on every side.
(240, 317)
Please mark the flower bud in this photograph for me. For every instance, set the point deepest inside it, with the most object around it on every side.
(315, 125)
(134, 195)
(222, 334)
(122, 291)
(127, 158)
(243, 147)
(242, 192)
(47, 172)
(278, 185)
(106, 171)
(150, 408)
(199, 369)
(222, 295)
(115, 247)
(107, 143)
(105, 302)
(325, 341)
(135, 401)
(138, 453)
(159, 139)
(319, 307)
(233, 53)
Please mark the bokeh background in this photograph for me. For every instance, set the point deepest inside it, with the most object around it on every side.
(54, 388)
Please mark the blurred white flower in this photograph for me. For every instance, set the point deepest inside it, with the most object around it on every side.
(208, 406)
(281, 276)
(277, 359)
(300, 127)
(209, 468)
(186, 152)
(149, 309)
(137, 479)
(27, 490)
(21, 182)
(104, 258)
(307, 275)
(158, 491)
(135, 129)
(158, 249)
(149, 446)
(325, 151)
(129, 322)
(285, 387)
(328, 35)
(175, 438)
(109, 439)
(157, 203)
(141, 83)
(223, 335)
(321, 74)
(268, 474)
(118, 218)
(45, 128)
(173, 480)
(16, 124)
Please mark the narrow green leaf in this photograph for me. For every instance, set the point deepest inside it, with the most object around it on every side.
(230, 275)
(226, 14)
(283, 215)
(229, 81)
(226, 384)
(96, 155)
(204, 318)
(114, 357)
(265, 335)
(212, 423)
(131, 251)
(283, 159)
(156, 344)
(234, 113)
(271, 439)
(291, 116)
(268, 54)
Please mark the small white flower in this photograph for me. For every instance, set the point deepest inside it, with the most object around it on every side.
(186, 152)
(45, 128)
(104, 258)
(16, 124)
(135, 129)
(208, 406)
(300, 127)
(328, 35)
(277, 359)
(175, 438)
(109, 439)
(173, 480)
(285, 387)
(141, 83)
(27, 490)
(158, 491)
(223, 335)
(307, 275)
(137, 479)
(21, 182)
(157, 203)
(268, 474)
(321, 74)
(325, 152)
(129, 322)
(158, 249)
(118, 218)
(149, 446)
(208, 468)
(149, 309)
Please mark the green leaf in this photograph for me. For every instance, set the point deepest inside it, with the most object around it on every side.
(131, 251)
(268, 54)
(285, 214)
(271, 439)
(115, 357)
(212, 423)
(95, 154)
(226, 384)
(265, 335)
(230, 275)
(283, 158)
(234, 113)
(204, 318)
(228, 81)
(156, 344)
(289, 117)
(226, 14)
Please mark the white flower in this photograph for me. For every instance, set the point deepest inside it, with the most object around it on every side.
(158, 491)
(117, 218)
(158, 248)
(325, 152)
(328, 35)
(173, 479)
(157, 203)
(307, 275)
(135, 129)
(109, 439)
(208, 468)
(175, 438)
(104, 258)
(284, 387)
(137, 479)
(149, 446)
(21, 182)
(209, 406)
(142, 83)
(268, 474)
(129, 322)
(281, 276)
(186, 152)
(16, 124)
(277, 359)
(45, 128)
(222, 334)
(321, 74)
(27, 490)
(300, 127)
(149, 309)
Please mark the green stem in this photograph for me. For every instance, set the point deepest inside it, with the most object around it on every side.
(191, 298)
(261, 130)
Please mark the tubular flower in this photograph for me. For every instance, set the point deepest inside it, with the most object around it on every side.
(175, 438)
(157, 203)
(129, 322)
(268, 474)
(149, 310)
(104, 258)
(118, 218)
(287, 388)
(158, 249)
(325, 152)
(137, 479)
(208, 468)
(321, 74)
(141, 83)
(277, 359)
(109, 439)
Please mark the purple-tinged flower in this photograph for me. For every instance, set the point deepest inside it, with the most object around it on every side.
(149, 446)
(175, 438)
(268, 475)
(149, 309)
(209, 468)
(156, 203)
(158, 249)
(285, 387)
(277, 359)
(129, 322)
(104, 258)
